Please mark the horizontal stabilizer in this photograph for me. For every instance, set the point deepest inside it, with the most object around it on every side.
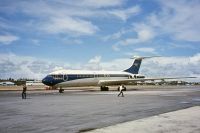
(143, 57)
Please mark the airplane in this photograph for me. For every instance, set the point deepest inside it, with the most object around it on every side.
(103, 79)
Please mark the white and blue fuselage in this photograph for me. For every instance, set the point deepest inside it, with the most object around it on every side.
(76, 78)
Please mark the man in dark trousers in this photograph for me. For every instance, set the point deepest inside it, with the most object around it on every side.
(121, 89)
(24, 92)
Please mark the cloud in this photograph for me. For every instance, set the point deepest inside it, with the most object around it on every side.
(146, 50)
(53, 17)
(115, 47)
(178, 19)
(125, 14)
(172, 66)
(117, 35)
(101, 3)
(66, 17)
(144, 33)
(181, 46)
(8, 39)
(69, 25)
(127, 41)
(36, 42)
(92, 64)
(116, 64)
(96, 59)
(5, 24)
(76, 41)
(195, 59)
(91, 3)
(15, 66)
(72, 41)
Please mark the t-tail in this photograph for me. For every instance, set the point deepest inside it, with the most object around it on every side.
(134, 69)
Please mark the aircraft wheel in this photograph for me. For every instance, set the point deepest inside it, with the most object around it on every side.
(61, 90)
(104, 88)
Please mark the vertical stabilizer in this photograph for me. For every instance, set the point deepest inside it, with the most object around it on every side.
(134, 69)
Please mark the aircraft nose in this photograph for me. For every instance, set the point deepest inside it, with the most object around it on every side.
(44, 81)
(48, 80)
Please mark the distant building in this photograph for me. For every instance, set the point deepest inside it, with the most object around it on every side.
(7, 83)
(34, 82)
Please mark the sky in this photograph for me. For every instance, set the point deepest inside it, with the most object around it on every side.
(41, 36)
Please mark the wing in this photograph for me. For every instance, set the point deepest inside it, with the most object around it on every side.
(128, 81)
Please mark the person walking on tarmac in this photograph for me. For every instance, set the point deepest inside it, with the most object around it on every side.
(121, 89)
(24, 92)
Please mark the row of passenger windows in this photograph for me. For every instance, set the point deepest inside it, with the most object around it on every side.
(78, 76)
(87, 76)
(93, 75)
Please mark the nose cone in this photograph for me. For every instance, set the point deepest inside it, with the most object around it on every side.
(48, 80)
(44, 81)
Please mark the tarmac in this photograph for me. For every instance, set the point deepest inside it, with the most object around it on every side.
(81, 111)
(181, 121)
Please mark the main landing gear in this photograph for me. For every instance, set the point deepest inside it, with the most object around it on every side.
(104, 88)
(61, 90)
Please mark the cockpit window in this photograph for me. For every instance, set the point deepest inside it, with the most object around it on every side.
(59, 77)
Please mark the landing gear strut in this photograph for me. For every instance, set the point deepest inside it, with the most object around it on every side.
(61, 90)
(104, 88)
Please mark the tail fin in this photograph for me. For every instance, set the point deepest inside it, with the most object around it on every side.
(134, 69)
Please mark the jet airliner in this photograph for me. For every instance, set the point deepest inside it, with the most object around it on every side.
(103, 79)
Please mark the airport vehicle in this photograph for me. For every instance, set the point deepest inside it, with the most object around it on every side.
(33, 82)
(103, 79)
(7, 83)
